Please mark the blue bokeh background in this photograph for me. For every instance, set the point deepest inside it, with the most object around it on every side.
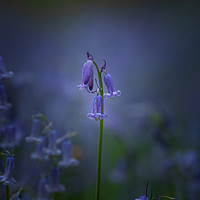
(152, 52)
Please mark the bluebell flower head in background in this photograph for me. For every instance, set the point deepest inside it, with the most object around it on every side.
(52, 147)
(97, 109)
(87, 76)
(110, 87)
(7, 178)
(142, 197)
(35, 131)
(42, 192)
(4, 74)
(10, 138)
(67, 158)
(3, 100)
(39, 152)
(54, 181)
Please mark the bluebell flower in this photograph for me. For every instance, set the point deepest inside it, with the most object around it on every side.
(110, 87)
(7, 178)
(10, 138)
(97, 109)
(3, 101)
(142, 197)
(67, 158)
(87, 76)
(54, 181)
(4, 74)
(39, 152)
(52, 147)
(35, 131)
(42, 192)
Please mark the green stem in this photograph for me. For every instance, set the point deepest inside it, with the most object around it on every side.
(99, 155)
(7, 192)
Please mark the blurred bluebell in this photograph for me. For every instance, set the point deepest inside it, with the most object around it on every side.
(4, 74)
(142, 197)
(11, 136)
(7, 178)
(42, 192)
(54, 181)
(87, 76)
(97, 109)
(110, 87)
(3, 100)
(52, 147)
(67, 158)
(35, 131)
(39, 151)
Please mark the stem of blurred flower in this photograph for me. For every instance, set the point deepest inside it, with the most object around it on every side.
(7, 186)
(98, 182)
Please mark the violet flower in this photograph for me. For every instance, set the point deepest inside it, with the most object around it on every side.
(87, 76)
(97, 109)
(35, 131)
(68, 159)
(52, 148)
(42, 193)
(7, 178)
(54, 181)
(142, 197)
(39, 152)
(110, 87)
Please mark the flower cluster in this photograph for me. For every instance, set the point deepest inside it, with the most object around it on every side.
(87, 83)
(47, 151)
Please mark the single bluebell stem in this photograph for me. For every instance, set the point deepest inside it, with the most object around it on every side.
(98, 182)
(6, 186)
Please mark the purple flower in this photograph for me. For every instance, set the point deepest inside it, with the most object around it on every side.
(87, 76)
(52, 148)
(143, 197)
(42, 193)
(3, 102)
(97, 109)
(4, 74)
(54, 181)
(110, 87)
(68, 159)
(35, 132)
(7, 178)
(39, 152)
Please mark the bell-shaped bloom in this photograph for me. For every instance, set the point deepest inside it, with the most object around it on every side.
(4, 74)
(87, 76)
(35, 131)
(67, 158)
(97, 109)
(110, 87)
(39, 151)
(52, 147)
(42, 192)
(143, 197)
(54, 181)
(10, 138)
(3, 100)
(7, 178)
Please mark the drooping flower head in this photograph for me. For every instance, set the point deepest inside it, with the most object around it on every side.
(42, 193)
(52, 149)
(110, 87)
(68, 159)
(39, 151)
(54, 181)
(87, 76)
(7, 178)
(97, 108)
(35, 131)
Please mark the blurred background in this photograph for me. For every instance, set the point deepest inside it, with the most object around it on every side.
(152, 131)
